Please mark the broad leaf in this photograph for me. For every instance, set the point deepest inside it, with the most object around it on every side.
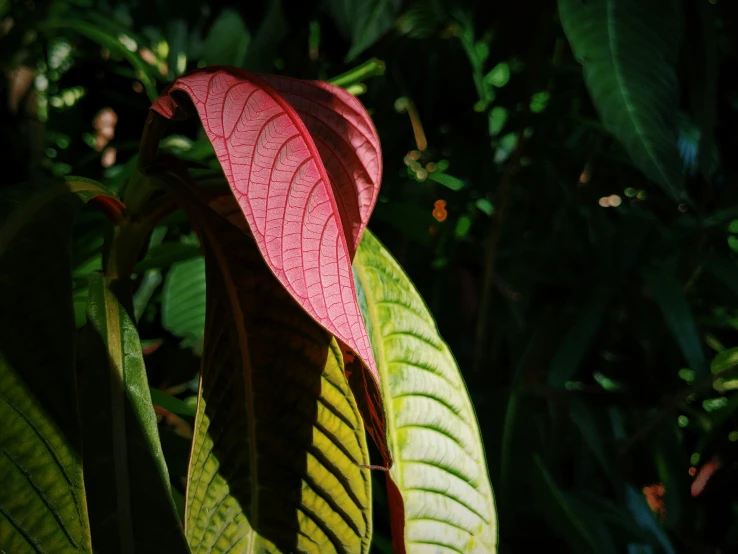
(279, 455)
(364, 21)
(286, 193)
(227, 41)
(126, 478)
(628, 50)
(440, 470)
(183, 299)
(42, 496)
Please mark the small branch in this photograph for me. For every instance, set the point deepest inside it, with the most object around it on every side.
(371, 68)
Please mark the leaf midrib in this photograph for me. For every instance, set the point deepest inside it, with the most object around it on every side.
(612, 38)
(381, 362)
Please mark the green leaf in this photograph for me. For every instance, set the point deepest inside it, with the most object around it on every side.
(42, 497)
(171, 403)
(126, 478)
(183, 299)
(439, 466)
(262, 51)
(576, 342)
(724, 360)
(557, 508)
(628, 50)
(279, 454)
(166, 254)
(227, 41)
(667, 293)
(363, 21)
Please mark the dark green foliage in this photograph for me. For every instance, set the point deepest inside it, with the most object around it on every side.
(583, 267)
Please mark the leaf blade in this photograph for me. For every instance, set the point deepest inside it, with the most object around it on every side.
(431, 423)
(126, 476)
(628, 51)
(300, 194)
(297, 482)
(40, 465)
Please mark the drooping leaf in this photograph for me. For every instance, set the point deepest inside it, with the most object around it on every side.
(126, 478)
(628, 50)
(440, 471)
(279, 455)
(668, 294)
(286, 193)
(347, 143)
(227, 40)
(42, 496)
(183, 299)
(364, 21)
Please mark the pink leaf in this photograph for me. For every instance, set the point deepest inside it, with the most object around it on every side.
(348, 145)
(275, 169)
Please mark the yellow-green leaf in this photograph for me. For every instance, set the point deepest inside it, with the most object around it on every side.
(42, 497)
(440, 467)
(279, 448)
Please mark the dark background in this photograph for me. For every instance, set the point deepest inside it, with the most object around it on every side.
(585, 333)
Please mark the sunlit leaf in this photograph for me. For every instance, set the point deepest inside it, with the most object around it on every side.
(306, 213)
(440, 494)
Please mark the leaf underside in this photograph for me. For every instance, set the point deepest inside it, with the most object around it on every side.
(304, 216)
(278, 177)
(279, 441)
(439, 467)
(628, 50)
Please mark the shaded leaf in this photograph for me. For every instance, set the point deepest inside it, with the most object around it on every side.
(279, 455)
(42, 497)
(439, 470)
(363, 21)
(555, 505)
(183, 299)
(126, 477)
(628, 50)
(262, 51)
(227, 41)
(166, 254)
(576, 342)
(668, 294)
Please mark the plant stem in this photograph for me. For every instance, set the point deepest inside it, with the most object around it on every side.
(371, 68)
